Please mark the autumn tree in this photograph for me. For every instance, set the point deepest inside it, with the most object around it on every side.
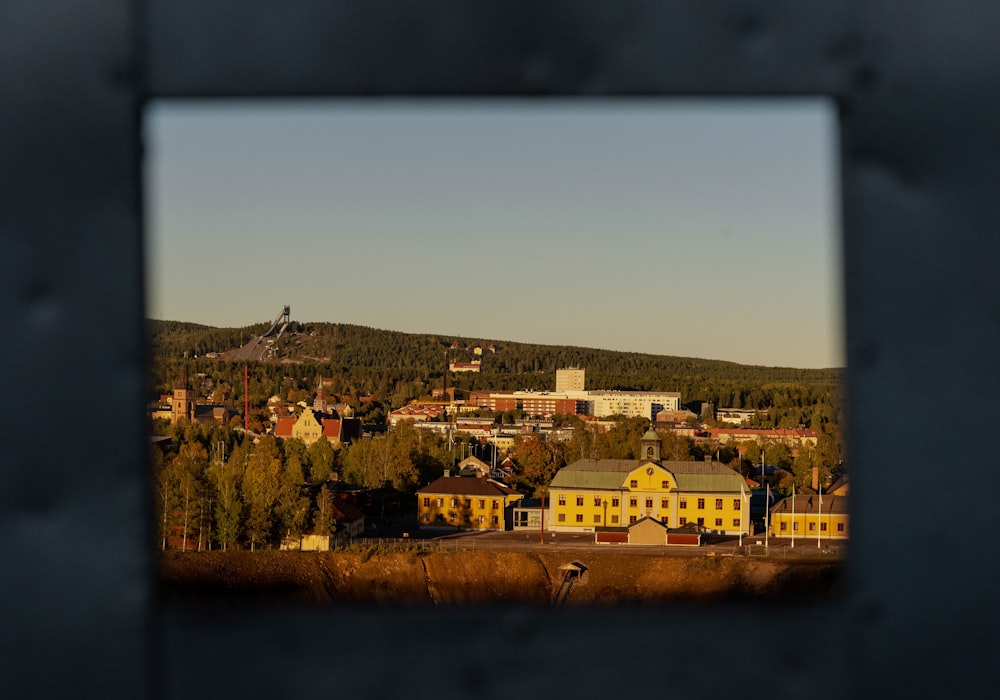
(323, 520)
(538, 461)
(188, 473)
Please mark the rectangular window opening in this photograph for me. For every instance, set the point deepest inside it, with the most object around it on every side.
(280, 409)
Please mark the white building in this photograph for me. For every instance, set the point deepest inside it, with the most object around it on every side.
(569, 379)
(632, 403)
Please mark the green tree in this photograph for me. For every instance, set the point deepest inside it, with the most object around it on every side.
(188, 472)
(292, 508)
(320, 458)
(261, 488)
(226, 479)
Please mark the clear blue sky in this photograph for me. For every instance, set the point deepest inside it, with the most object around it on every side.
(692, 228)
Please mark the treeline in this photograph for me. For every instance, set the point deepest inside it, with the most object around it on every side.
(400, 367)
(214, 489)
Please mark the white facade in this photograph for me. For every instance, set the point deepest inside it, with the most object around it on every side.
(632, 403)
(569, 379)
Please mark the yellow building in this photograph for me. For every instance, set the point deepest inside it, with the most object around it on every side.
(804, 516)
(468, 502)
(592, 493)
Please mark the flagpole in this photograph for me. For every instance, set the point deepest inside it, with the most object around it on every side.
(793, 516)
(819, 516)
(742, 497)
(767, 516)
(767, 503)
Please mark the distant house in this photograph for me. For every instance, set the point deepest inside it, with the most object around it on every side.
(474, 503)
(309, 426)
(473, 466)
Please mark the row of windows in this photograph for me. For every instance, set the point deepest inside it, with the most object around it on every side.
(634, 484)
(633, 502)
(812, 527)
(494, 504)
(453, 518)
(561, 517)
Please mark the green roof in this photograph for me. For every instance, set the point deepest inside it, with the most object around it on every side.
(610, 474)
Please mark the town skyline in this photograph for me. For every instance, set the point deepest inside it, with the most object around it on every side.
(594, 225)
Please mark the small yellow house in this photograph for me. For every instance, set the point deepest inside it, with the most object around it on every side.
(813, 516)
(473, 503)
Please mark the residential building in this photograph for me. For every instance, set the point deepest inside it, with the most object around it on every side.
(473, 503)
(570, 379)
(309, 426)
(632, 403)
(813, 516)
(593, 493)
(734, 416)
(790, 437)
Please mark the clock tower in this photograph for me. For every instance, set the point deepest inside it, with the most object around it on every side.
(649, 450)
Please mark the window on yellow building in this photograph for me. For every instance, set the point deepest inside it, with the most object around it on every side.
(633, 484)
(736, 504)
(454, 503)
(782, 526)
(440, 502)
(840, 527)
(812, 527)
(597, 500)
(633, 502)
(562, 499)
(701, 504)
(649, 502)
(482, 519)
(494, 520)
(736, 522)
(701, 522)
(579, 500)
(482, 503)
(495, 504)
(597, 518)
(665, 484)
(427, 502)
(718, 522)
(682, 520)
(614, 501)
(453, 518)
(614, 519)
(822, 527)
(631, 519)
(561, 517)
(682, 503)
(468, 502)
(718, 504)
(579, 517)
(795, 527)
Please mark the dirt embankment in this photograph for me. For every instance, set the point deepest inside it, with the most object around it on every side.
(488, 577)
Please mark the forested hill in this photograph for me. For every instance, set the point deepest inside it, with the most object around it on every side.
(402, 366)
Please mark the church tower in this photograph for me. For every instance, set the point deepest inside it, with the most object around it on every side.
(649, 450)
(182, 404)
